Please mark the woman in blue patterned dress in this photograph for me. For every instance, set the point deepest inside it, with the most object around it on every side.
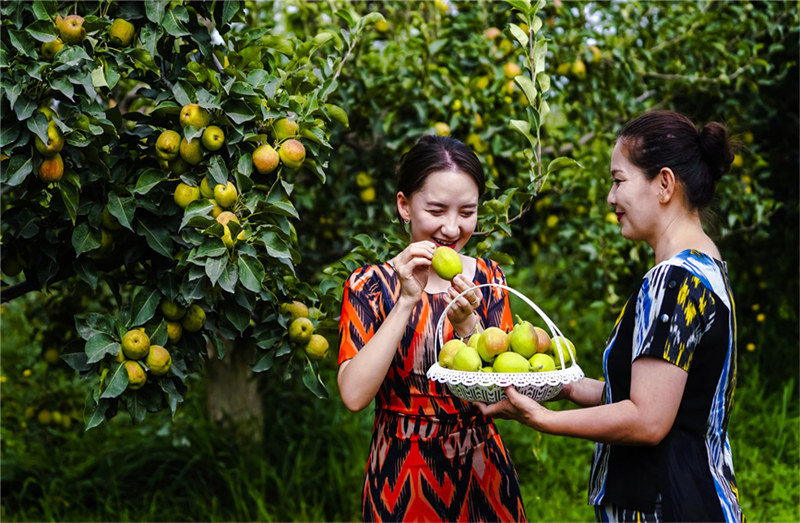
(660, 417)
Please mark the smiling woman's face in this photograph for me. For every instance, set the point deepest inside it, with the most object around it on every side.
(634, 197)
(444, 210)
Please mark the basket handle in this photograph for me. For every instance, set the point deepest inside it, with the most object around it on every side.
(554, 330)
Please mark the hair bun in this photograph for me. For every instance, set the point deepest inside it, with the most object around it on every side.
(716, 148)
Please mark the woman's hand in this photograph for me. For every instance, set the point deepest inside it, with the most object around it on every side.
(461, 313)
(517, 407)
(411, 267)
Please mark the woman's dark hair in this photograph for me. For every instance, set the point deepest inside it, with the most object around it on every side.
(437, 153)
(661, 139)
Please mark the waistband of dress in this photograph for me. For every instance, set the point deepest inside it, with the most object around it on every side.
(403, 424)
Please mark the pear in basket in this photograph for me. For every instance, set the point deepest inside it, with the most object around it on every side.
(541, 362)
(467, 359)
(448, 352)
(473, 340)
(511, 361)
(523, 339)
(493, 341)
(487, 368)
(544, 339)
(558, 344)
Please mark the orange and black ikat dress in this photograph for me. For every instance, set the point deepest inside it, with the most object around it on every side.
(433, 456)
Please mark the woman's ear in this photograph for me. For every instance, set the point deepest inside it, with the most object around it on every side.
(666, 184)
(402, 207)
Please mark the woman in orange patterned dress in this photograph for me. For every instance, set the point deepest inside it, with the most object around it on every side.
(433, 456)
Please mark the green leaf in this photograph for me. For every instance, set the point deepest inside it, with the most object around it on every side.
(70, 195)
(523, 128)
(229, 277)
(521, 5)
(239, 112)
(543, 79)
(539, 55)
(117, 384)
(519, 34)
(184, 93)
(211, 248)
(22, 41)
(144, 59)
(98, 415)
(84, 239)
(215, 267)
(217, 170)
(122, 208)
(38, 125)
(159, 239)
(251, 272)
(276, 247)
(19, 167)
(313, 382)
(283, 208)
(45, 9)
(174, 19)
(278, 42)
(155, 10)
(136, 406)
(24, 107)
(144, 305)
(148, 179)
(265, 362)
(98, 346)
(168, 385)
(562, 162)
(198, 214)
(62, 85)
(42, 30)
(89, 324)
(528, 88)
(229, 10)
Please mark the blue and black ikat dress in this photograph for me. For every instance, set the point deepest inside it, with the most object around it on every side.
(683, 313)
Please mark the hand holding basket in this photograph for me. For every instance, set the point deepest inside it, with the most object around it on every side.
(488, 386)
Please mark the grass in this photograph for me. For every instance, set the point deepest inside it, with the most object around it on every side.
(310, 466)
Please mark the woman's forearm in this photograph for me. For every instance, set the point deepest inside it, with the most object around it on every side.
(586, 392)
(360, 377)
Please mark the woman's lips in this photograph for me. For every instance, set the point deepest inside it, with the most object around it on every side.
(452, 245)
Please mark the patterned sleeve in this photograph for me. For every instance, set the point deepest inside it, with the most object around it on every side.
(359, 319)
(673, 310)
(497, 311)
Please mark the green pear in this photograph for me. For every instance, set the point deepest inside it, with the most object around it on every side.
(493, 341)
(544, 339)
(449, 351)
(510, 361)
(558, 344)
(541, 362)
(467, 359)
(446, 263)
(523, 339)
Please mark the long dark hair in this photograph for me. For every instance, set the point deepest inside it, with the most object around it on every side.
(434, 153)
(661, 139)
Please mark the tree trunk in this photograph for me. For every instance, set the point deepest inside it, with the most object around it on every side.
(233, 395)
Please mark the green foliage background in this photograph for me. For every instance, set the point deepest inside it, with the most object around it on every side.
(734, 62)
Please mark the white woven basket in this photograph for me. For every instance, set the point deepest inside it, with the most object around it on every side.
(488, 386)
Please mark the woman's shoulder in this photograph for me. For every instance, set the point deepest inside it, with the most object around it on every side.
(488, 270)
(705, 270)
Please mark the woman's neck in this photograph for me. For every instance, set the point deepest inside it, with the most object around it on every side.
(680, 233)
